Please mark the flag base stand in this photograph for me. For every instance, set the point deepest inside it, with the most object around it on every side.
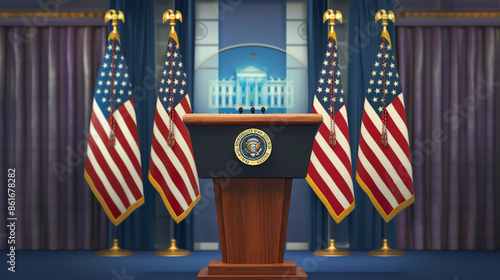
(114, 251)
(386, 251)
(173, 251)
(332, 251)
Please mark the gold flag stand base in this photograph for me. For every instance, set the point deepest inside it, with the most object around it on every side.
(332, 251)
(386, 251)
(173, 251)
(114, 251)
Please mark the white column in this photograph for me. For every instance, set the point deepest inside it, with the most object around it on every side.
(256, 93)
(247, 95)
(238, 91)
(276, 101)
(223, 94)
(282, 97)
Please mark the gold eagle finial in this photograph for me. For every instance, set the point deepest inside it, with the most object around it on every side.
(170, 15)
(332, 16)
(114, 17)
(384, 16)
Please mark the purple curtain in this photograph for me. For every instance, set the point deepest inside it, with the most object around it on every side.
(451, 77)
(47, 77)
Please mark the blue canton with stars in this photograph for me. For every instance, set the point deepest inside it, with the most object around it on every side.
(374, 93)
(122, 87)
(173, 78)
(325, 82)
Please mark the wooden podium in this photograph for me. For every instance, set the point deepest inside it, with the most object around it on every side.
(252, 201)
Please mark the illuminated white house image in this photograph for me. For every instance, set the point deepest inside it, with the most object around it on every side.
(252, 87)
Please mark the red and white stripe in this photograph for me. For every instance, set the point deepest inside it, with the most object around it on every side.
(172, 170)
(385, 173)
(330, 173)
(114, 174)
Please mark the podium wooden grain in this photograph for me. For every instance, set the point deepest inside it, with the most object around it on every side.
(252, 211)
(253, 216)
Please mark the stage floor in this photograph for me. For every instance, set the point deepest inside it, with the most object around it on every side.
(76, 265)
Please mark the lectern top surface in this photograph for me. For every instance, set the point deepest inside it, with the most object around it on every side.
(252, 119)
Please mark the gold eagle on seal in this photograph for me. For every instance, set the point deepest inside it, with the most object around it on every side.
(253, 146)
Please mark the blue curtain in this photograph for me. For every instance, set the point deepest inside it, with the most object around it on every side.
(365, 223)
(137, 41)
(185, 30)
(316, 40)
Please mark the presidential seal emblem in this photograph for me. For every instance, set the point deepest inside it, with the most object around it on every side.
(253, 146)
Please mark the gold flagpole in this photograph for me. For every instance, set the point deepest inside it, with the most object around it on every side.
(115, 250)
(385, 250)
(332, 251)
(172, 251)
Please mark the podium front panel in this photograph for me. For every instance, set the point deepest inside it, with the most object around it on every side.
(213, 148)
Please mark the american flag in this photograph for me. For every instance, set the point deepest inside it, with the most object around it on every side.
(330, 173)
(172, 169)
(113, 167)
(384, 169)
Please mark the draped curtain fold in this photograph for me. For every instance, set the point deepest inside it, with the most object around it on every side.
(137, 232)
(47, 77)
(186, 30)
(451, 77)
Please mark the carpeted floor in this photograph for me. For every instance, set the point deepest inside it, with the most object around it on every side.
(83, 265)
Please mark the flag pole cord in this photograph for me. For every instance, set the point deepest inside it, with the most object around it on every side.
(383, 139)
(333, 139)
(171, 126)
(112, 136)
